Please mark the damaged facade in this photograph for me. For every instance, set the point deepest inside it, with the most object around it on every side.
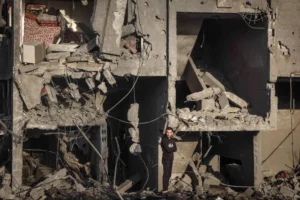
(89, 87)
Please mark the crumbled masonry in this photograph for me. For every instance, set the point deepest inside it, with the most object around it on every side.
(88, 89)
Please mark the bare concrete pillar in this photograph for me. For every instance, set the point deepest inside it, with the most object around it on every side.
(172, 75)
(17, 144)
(100, 142)
(172, 61)
(257, 153)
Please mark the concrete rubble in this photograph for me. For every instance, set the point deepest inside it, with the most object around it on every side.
(83, 108)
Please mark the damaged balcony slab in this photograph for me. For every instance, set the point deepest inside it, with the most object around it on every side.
(221, 121)
(50, 118)
(134, 67)
(29, 88)
(56, 69)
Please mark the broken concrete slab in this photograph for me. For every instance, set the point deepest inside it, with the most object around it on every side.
(135, 149)
(135, 67)
(90, 82)
(27, 68)
(223, 101)
(128, 30)
(82, 58)
(193, 78)
(90, 67)
(236, 100)
(128, 183)
(51, 93)
(47, 77)
(109, 77)
(30, 89)
(99, 102)
(56, 56)
(103, 87)
(134, 133)
(77, 75)
(133, 114)
(113, 27)
(106, 65)
(210, 181)
(210, 80)
(208, 104)
(62, 47)
(87, 47)
(206, 93)
(249, 192)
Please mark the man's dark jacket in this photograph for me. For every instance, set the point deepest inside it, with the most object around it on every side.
(168, 148)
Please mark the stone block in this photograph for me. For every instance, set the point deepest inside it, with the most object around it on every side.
(249, 192)
(223, 101)
(208, 104)
(210, 80)
(210, 182)
(236, 100)
(206, 93)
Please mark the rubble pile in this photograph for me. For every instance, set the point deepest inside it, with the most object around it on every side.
(65, 75)
(216, 107)
(212, 185)
(65, 182)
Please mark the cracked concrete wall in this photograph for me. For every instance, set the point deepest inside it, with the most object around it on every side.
(285, 31)
(277, 151)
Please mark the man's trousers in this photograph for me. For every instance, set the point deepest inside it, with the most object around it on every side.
(167, 165)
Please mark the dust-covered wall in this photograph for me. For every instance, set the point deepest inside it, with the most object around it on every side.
(277, 148)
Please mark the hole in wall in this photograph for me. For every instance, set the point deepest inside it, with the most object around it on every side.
(282, 91)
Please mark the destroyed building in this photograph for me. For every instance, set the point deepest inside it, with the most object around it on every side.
(88, 88)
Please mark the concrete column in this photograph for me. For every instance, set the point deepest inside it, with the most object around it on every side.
(17, 145)
(257, 153)
(172, 59)
(172, 74)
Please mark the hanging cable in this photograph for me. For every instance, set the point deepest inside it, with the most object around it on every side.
(146, 170)
(142, 123)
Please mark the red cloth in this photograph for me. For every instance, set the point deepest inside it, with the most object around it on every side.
(34, 32)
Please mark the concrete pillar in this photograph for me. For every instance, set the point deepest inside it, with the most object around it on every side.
(257, 153)
(172, 74)
(100, 142)
(17, 144)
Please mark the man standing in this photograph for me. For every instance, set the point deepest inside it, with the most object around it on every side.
(168, 147)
